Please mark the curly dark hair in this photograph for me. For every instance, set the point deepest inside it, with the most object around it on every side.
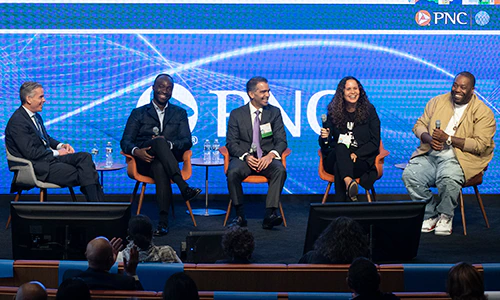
(140, 230)
(238, 242)
(465, 282)
(336, 108)
(342, 241)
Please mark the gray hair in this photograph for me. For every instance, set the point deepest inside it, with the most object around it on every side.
(27, 90)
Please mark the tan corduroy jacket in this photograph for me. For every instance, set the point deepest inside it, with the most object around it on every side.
(477, 126)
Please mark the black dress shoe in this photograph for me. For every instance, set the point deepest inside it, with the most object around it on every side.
(271, 221)
(190, 193)
(161, 230)
(352, 191)
(238, 221)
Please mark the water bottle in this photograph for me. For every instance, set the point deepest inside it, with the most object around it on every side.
(109, 155)
(215, 151)
(94, 153)
(206, 151)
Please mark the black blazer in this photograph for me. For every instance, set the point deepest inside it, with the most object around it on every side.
(142, 120)
(23, 140)
(239, 131)
(101, 280)
(366, 134)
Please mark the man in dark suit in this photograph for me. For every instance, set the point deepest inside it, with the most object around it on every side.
(53, 161)
(158, 134)
(255, 139)
(101, 256)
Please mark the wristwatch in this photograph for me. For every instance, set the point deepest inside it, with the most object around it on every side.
(448, 141)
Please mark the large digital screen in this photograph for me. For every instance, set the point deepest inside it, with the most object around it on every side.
(97, 61)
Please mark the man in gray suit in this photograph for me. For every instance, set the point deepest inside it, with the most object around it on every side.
(255, 139)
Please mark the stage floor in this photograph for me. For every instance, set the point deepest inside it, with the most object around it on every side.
(285, 244)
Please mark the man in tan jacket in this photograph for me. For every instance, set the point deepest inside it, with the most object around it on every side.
(456, 133)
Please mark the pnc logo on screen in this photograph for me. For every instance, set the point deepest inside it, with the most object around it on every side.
(423, 18)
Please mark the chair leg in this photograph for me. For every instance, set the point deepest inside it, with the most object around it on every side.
(72, 192)
(141, 197)
(136, 187)
(480, 201)
(462, 210)
(15, 200)
(283, 215)
(190, 213)
(374, 194)
(228, 211)
(368, 196)
(43, 195)
(326, 193)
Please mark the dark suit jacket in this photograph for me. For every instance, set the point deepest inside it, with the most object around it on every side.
(23, 140)
(142, 120)
(100, 280)
(239, 131)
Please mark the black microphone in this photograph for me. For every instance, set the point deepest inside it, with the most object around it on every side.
(438, 124)
(323, 119)
(156, 131)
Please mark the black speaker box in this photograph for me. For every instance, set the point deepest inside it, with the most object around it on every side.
(204, 246)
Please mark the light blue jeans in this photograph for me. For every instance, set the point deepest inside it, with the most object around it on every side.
(444, 173)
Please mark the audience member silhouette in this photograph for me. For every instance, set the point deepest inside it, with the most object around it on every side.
(101, 256)
(238, 244)
(33, 290)
(465, 282)
(180, 287)
(341, 242)
(73, 289)
(140, 234)
(364, 281)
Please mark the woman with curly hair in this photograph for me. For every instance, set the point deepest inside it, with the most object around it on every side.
(238, 244)
(340, 243)
(465, 282)
(350, 139)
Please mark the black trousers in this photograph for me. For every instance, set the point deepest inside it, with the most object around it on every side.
(340, 164)
(238, 170)
(76, 169)
(163, 168)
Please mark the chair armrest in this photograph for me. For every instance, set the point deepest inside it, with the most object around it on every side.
(223, 150)
(187, 169)
(284, 156)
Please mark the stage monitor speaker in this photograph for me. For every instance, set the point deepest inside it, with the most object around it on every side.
(61, 230)
(204, 246)
(393, 227)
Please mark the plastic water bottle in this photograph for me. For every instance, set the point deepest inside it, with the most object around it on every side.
(206, 151)
(109, 155)
(215, 151)
(94, 153)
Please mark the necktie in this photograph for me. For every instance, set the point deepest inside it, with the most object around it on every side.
(40, 129)
(256, 134)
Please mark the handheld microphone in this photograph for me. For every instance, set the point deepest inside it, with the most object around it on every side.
(253, 150)
(323, 119)
(438, 124)
(156, 131)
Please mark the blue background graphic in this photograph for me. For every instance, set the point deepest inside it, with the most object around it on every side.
(106, 57)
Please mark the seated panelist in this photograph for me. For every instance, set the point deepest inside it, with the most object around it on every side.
(350, 139)
(54, 162)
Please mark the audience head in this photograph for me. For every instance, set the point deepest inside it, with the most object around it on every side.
(363, 277)
(33, 290)
(238, 242)
(342, 241)
(465, 282)
(73, 289)
(99, 254)
(180, 287)
(140, 230)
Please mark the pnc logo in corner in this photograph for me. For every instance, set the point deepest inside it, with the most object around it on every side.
(423, 18)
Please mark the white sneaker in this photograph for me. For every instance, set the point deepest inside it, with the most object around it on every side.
(429, 224)
(444, 225)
